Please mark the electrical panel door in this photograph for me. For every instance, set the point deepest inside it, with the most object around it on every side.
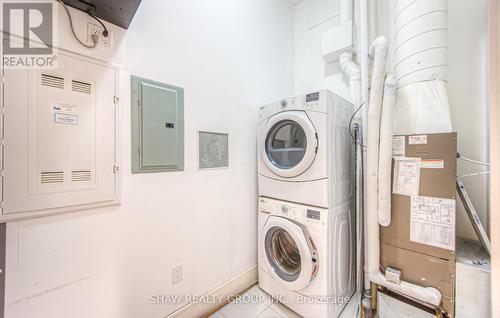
(157, 126)
(60, 138)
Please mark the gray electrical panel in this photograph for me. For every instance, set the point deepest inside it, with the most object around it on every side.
(157, 126)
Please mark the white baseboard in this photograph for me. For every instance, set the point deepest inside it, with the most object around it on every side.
(230, 288)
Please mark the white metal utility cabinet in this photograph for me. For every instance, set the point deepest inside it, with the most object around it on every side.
(60, 141)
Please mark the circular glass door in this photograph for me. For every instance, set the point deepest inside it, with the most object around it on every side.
(289, 143)
(283, 254)
(286, 144)
(289, 251)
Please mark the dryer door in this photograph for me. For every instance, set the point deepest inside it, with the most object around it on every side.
(290, 253)
(289, 143)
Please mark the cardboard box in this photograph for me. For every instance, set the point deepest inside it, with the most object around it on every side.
(430, 264)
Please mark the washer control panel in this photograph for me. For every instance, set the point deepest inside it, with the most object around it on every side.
(297, 212)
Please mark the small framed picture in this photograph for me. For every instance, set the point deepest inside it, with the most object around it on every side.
(213, 150)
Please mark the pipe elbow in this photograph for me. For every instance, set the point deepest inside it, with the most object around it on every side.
(428, 295)
(436, 293)
(380, 47)
(349, 67)
(384, 222)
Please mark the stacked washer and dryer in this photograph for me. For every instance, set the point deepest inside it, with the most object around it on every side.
(306, 238)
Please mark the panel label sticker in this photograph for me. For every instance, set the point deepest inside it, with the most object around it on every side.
(406, 176)
(66, 119)
(433, 221)
(398, 146)
(432, 164)
(417, 140)
(57, 107)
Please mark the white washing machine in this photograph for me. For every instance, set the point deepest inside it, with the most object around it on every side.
(306, 256)
(305, 151)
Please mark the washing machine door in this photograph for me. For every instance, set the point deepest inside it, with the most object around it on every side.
(289, 143)
(290, 253)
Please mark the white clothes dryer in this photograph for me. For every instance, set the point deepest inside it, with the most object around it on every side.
(305, 151)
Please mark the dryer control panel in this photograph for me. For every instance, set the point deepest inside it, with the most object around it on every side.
(297, 212)
(314, 101)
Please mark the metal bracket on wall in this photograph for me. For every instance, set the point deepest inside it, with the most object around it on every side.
(474, 217)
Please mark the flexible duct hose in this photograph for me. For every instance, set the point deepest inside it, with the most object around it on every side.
(420, 56)
(426, 294)
(379, 53)
(385, 152)
(420, 35)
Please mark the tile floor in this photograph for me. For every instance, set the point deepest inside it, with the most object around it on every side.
(263, 308)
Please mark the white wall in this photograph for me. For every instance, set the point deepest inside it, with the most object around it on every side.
(230, 57)
(468, 34)
(311, 72)
(468, 87)
(495, 153)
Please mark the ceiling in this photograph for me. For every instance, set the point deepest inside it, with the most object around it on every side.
(118, 12)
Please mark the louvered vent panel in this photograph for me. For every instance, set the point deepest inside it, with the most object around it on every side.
(80, 175)
(81, 87)
(52, 177)
(52, 81)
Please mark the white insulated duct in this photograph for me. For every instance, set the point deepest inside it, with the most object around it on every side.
(372, 247)
(385, 152)
(422, 106)
(428, 295)
(420, 35)
(420, 57)
(378, 52)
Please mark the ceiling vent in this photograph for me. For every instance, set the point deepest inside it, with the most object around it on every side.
(52, 81)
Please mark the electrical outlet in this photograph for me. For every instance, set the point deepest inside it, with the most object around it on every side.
(103, 42)
(93, 29)
(176, 274)
(107, 41)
